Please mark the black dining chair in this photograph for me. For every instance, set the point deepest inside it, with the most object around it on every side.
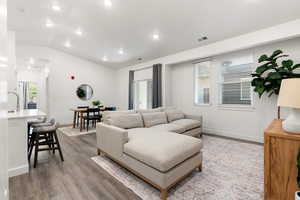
(93, 115)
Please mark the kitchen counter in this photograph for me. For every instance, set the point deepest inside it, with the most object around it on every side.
(17, 140)
(25, 114)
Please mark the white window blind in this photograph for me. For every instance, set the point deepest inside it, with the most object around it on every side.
(235, 84)
(202, 83)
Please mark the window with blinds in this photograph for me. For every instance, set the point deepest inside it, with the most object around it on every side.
(235, 84)
(202, 83)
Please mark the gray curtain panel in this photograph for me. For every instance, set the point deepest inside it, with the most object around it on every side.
(131, 90)
(157, 86)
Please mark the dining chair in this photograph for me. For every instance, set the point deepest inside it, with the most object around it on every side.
(93, 115)
(78, 114)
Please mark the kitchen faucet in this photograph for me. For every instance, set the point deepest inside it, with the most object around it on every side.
(18, 99)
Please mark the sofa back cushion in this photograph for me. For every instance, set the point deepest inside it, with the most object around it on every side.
(174, 114)
(154, 118)
(108, 114)
(149, 110)
(127, 121)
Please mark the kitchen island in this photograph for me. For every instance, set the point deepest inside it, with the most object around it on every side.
(17, 140)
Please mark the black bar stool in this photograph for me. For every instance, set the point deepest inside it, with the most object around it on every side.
(44, 135)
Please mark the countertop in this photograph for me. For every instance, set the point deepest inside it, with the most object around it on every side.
(23, 114)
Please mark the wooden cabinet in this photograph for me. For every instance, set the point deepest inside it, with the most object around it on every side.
(281, 150)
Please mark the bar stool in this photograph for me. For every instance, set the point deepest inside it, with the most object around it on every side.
(44, 135)
(30, 125)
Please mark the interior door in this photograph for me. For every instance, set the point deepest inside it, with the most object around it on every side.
(4, 65)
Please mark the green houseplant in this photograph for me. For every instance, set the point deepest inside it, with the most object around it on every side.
(96, 103)
(269, 74)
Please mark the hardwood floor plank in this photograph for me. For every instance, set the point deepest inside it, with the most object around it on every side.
(78, 178)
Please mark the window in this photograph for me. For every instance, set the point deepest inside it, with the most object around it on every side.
(143, 94)
(202, 83)
(235, 84)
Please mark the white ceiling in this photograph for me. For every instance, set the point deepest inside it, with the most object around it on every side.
(129, 24)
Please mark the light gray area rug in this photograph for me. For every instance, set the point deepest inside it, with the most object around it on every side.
(232, 170)
(70, 131)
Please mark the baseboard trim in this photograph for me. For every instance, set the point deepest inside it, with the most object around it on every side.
(23, 169)
(232, 135)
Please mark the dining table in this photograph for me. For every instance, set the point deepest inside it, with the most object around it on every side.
(80, 111)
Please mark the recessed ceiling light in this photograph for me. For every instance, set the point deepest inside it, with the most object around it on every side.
(29, 67)
(56, 7)
(2, 65)
(47, 70)
(78, 32)
(155, 36)
(3, 59)
(31, 61)
(67, 44)
(104, 59)
(49, 23)
(107, 3)
(121, 51)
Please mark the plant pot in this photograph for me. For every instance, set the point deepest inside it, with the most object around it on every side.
(297, 195)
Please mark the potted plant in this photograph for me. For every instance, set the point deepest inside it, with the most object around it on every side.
(96, 103)
(268, 76)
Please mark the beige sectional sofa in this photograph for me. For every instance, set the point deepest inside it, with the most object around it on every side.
(153, 144)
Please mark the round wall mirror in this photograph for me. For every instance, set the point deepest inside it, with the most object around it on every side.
(84, 92)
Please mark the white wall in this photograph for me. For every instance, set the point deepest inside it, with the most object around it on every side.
(61, 89)
(234, 122)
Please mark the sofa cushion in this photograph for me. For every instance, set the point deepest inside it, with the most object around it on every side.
(108, 114)
(174, 114)
(187, 124)
(160, 149)
(126, 121)
(149, 110)
(169, 127)
(154, 118)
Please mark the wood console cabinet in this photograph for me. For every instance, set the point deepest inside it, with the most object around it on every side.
(280, 158)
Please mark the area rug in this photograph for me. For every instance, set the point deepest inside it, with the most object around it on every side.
(70, 131)
(232, 170)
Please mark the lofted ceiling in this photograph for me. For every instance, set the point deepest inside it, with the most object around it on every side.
(130, 24)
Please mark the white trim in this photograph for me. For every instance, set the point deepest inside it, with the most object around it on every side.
(23, 169)
(232, 134)
(236, 107)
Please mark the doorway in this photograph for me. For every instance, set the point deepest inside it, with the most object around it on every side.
(143, 94)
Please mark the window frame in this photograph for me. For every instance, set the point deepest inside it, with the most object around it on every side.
(241, 107)
(195, 82)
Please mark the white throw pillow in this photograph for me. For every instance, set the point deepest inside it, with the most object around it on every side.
(126, 121)
(174, 114)
(154, 118)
